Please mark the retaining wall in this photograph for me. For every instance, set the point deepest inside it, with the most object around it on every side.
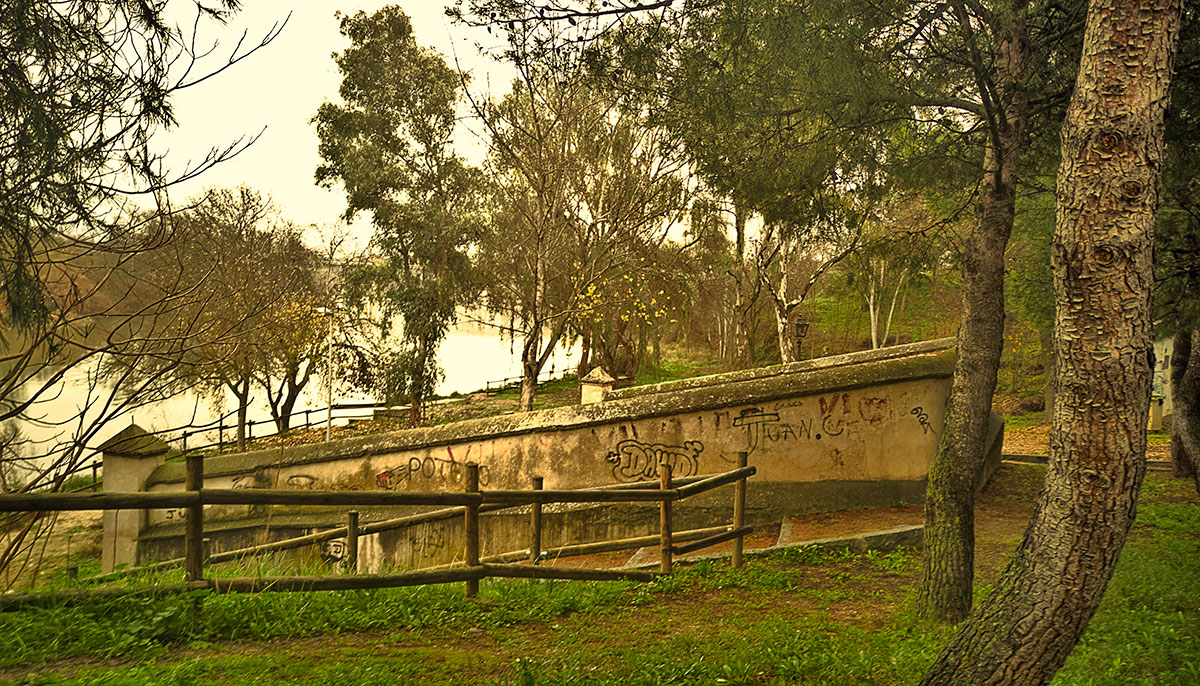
(835, 433)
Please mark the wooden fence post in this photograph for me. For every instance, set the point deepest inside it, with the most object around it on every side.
(95, 476)
(535, 525)
(221, 434)
(739, 509)
(664, 520)
(352, 541)
(193, 540)
(471, 528)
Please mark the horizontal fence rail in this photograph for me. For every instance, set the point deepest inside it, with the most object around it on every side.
(468, 504)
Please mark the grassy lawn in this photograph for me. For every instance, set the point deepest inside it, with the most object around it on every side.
(797, 617)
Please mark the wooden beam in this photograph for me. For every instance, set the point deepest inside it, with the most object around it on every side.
(49, 502)
(566, 573)
(263, 496)
(585, 496)
(712, 540)
(193, 527)
(342, 582)
(576, 549)
(717, 481)
(739, 511)
(471, 528)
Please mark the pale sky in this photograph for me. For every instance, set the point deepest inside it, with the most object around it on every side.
(280, 88)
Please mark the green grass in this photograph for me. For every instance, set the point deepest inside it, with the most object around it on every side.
(1158, 438)
(1147, 630)
(1020, 421)
(142, 627)
(679, 363)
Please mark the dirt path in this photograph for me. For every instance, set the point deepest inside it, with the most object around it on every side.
(1035, 440)
(73, 535)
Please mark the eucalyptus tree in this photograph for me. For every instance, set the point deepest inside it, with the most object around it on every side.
(743, 84)
(583, 193)
(389, 144)
(898, 248)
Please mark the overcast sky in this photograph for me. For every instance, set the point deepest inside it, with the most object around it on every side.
(280, 88)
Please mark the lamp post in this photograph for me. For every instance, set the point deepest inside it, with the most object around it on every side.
(800, 328)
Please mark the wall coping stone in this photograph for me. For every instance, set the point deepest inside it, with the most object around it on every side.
(912, 362)
(817, 364)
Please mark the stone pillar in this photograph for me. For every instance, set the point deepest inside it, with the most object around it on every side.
(129, 458)
(594, 386)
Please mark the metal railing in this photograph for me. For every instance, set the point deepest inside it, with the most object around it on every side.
(544, 376)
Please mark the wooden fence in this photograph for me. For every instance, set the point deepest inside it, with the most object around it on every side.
(467, 504)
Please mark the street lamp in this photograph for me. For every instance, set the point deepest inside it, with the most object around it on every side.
(800, 327)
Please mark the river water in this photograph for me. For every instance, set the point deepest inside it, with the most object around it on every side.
(471, 356)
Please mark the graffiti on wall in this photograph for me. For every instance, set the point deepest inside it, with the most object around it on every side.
(762, 426)
(427, 468)
(923, 418)
(333, 552)
(838, 414)
(302, 482)
(633, 460)
(428, 540)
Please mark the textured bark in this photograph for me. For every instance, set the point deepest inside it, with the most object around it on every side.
(743, 346)
(949, 561)
(241, 392)
(1185, 389)
(1112, 149)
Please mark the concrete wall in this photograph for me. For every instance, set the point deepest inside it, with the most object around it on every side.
(130, 457)
(839, 432)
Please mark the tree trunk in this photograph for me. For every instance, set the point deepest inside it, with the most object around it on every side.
(1112, 151)
(241, 391)
(530, 369)
(585, 353)
(529, 374)
(949, 560)
(1185, 390)
(788, 349)
(420, 386)
(283, 418)
(743, 347)
(289, 393)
